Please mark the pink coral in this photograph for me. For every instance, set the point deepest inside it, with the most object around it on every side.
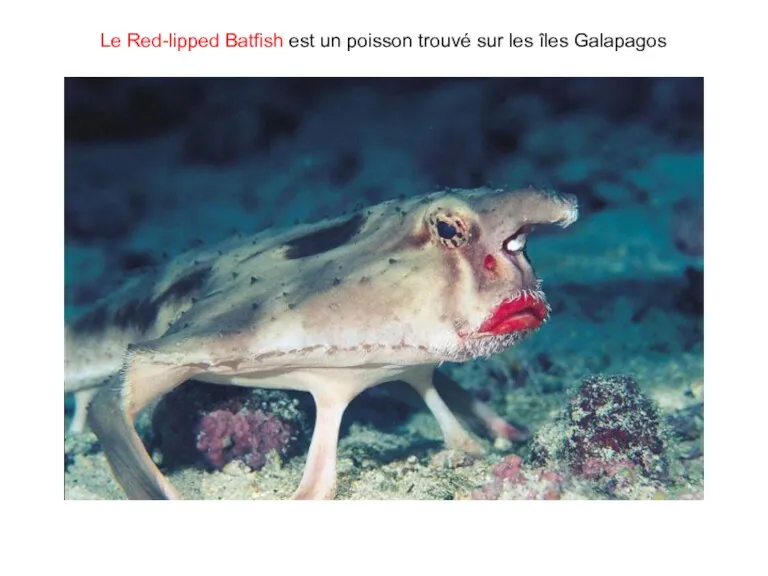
(508, 469)
(510, 478)
(250, 435)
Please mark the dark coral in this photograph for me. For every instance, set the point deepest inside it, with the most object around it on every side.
(611, 425)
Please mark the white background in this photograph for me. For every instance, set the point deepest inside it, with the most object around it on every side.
(40, 45)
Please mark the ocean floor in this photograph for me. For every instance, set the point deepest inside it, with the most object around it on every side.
(611, 388)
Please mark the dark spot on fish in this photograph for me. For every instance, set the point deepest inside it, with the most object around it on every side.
(255, 306)
(336, 281)
(392, 261)
(365, 280)
(254, 279)
(221, 252)
(291, 306)
(234, 275)
(196, 243)
(285, 293)
(325, 239)
(139, 313)
(194, 300)
(185, 286)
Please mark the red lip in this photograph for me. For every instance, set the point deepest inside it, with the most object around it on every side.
(525, 312)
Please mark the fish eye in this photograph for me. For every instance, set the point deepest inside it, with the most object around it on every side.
(445, 230)
(516, 242)
(448, 229)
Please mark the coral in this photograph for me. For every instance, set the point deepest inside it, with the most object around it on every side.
(612, 425)
(609, 434)
(250, 435)
(510, 478)
(214, 425)
(509, 468)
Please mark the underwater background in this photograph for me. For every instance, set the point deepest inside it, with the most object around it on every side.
(611, 388)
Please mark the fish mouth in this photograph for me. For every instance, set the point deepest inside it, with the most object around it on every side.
(524, 312)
